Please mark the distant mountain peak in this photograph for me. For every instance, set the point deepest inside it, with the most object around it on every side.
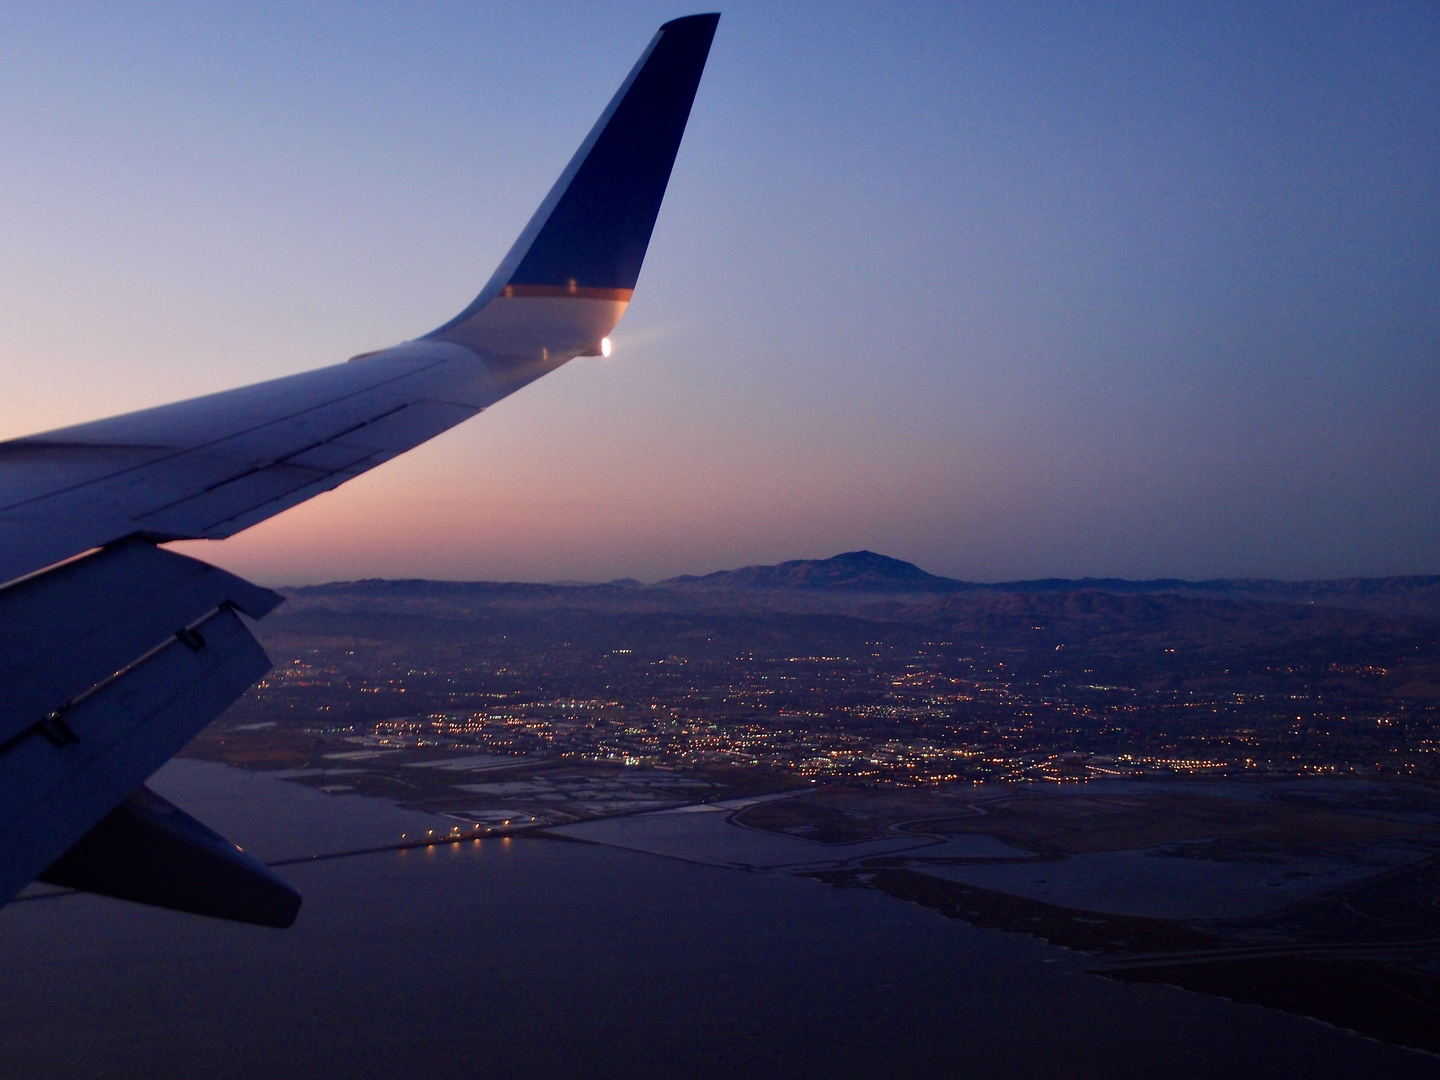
(850, 571)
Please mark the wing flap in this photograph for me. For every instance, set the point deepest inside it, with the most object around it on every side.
(65, 632)
(54, 790)
(150, 851)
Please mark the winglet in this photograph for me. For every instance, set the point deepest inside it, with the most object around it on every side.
(588, 238)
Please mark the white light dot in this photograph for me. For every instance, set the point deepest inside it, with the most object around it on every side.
(604, 346)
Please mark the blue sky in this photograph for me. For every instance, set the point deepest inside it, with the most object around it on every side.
(1007, 290)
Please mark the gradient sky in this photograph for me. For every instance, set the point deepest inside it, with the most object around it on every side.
(1009, 291)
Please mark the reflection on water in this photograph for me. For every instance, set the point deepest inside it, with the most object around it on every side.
(541, 958)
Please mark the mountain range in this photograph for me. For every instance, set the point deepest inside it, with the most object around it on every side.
(869, 572)
(870, 579)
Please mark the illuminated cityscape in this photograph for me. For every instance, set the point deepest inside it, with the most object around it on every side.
(1064, 687)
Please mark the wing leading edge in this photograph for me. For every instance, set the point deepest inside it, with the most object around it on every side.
(118, 657)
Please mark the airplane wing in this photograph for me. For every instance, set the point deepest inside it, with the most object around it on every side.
(115, 652)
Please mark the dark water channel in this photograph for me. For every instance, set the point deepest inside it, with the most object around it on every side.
(541, 958)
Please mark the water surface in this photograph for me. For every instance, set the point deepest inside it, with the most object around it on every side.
(543, 958)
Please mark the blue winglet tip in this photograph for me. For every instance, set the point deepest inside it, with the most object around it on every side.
(590, 234)
(711, 17)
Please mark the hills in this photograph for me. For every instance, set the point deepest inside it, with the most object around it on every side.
(869, 580)
(869, 572)
(857, 571)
